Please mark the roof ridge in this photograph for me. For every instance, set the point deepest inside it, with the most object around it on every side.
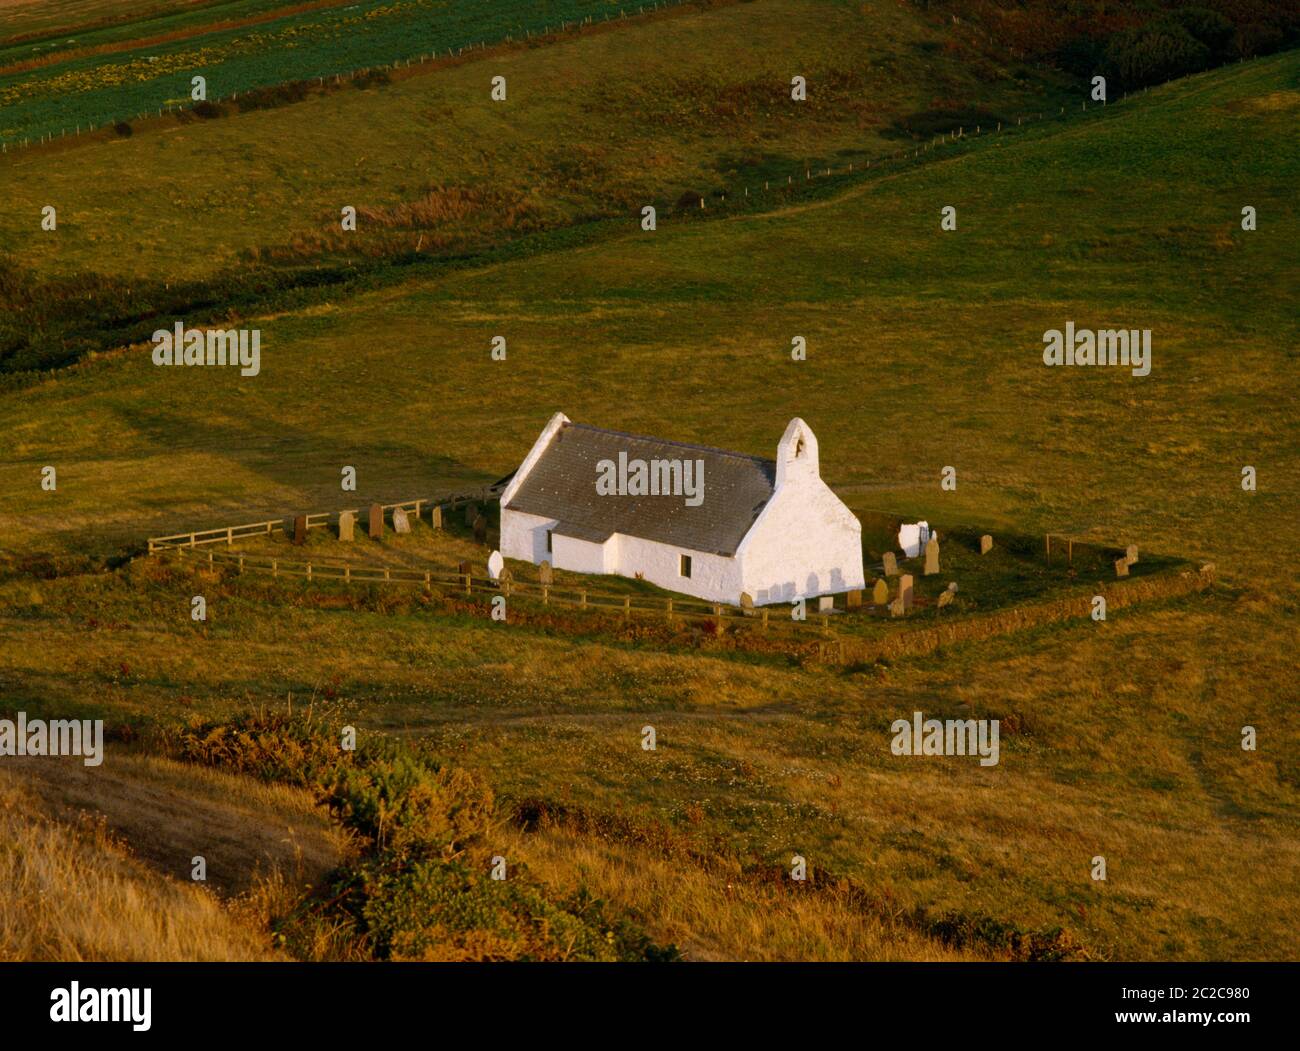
(669, 441)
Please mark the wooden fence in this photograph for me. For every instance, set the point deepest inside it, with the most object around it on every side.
(318, 520)
(670, 608)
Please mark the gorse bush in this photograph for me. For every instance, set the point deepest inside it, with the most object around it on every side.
(420, 886)
(1154, 53)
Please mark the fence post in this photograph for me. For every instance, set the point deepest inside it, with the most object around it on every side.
(309, 571)
(386, 574)
(546, 595)
(230, 535)
(468, 584)
(275, 567)
(627, 607)
(765, 621)
(668, 613)
(582, 598)
(241, 565)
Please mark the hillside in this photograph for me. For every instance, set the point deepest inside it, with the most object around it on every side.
(1122, 737)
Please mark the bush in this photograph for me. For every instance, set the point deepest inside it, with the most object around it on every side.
(206, 110)
(420, 887)
(123, 128)
(1154, 53)
(1210, 28)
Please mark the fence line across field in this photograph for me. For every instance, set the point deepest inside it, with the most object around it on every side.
(316, 520)
(817, 624)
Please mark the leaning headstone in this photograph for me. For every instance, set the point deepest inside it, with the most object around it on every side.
(986, 544)
(944, 598)
(435, 518)
(1131, 555)
(891, 564)
(544, 573)
(495, 564)
(825, 603)
(300, 530)
(852, 599)
(401, 524)
(1121, 567)
(912, 537)
(747, 603)
(897, 608)
(879, 593)
(376, 522)
(932, 556)
(480, 529)
(471, 513)
(347, 522)
(905, 590)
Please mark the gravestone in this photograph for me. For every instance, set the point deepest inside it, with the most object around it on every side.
(347, 523)
(300, 530)
(897, 608)
(905, 590)
(986, 544)
(1131, 555)
(401, 524)
(825, 603)
(891, 564)
(879, 593)
(747, 603)
(852, 599)
(952, 586)
(505, 578)
(495, 565)
(544, 573)
(435, 517)
(376, 522)
(480, 529)
(944, 598)
(471, 513)
(912, 537)
(932, 556)
(465, 569)
(1121, 567)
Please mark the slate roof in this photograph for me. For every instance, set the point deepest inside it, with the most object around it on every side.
(562, 485)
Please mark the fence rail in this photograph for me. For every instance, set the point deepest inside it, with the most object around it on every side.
(670, 609)
(318, 520)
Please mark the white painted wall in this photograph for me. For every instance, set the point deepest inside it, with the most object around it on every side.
(523, 536)
(805, 542)
(714, 578)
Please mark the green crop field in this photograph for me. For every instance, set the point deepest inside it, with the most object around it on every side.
(1121, 738)
(99, 89)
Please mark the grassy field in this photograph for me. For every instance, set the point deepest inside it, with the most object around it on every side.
(1120, 738)
(599, 124)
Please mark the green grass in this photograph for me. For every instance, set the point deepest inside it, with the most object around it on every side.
(102, 88)
(1120, 738)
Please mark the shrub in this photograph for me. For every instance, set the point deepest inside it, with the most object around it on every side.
(1154, 53)
(206, 110)
(1210, 28)
(123, 128)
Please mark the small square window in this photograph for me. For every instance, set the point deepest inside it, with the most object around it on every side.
(686, 565)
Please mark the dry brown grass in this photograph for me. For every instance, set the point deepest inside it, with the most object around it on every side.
(73, 892)
(712, 917)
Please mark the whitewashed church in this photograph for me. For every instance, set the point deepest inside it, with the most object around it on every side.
(691, 519)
